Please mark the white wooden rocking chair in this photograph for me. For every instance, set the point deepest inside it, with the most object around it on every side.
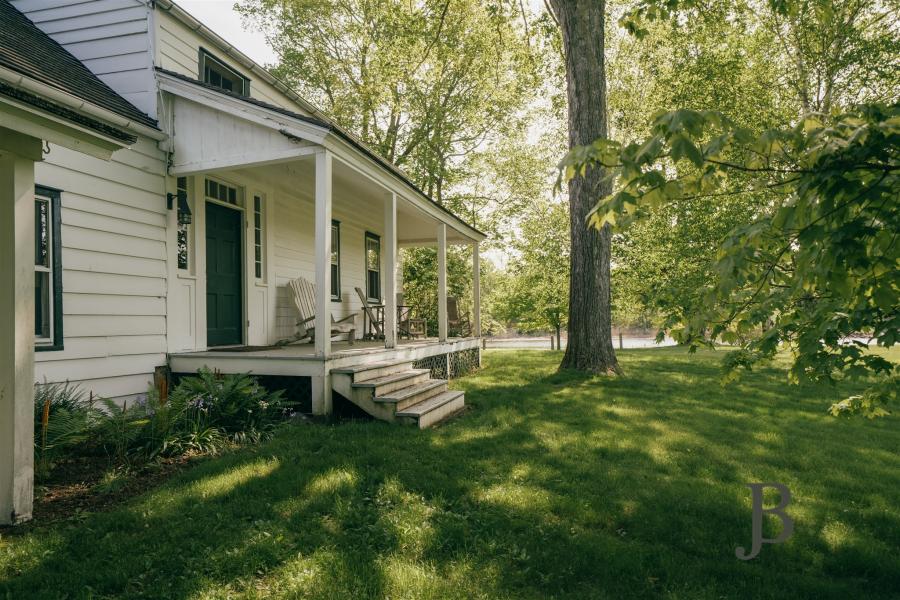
(304, 294)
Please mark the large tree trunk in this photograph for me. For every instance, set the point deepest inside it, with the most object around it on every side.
(590, 346)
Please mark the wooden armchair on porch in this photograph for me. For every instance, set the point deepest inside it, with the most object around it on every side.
(374, 326)
(304, 294)
(456, 321)
(408, 324)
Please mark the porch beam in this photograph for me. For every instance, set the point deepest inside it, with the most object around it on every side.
(442, 281)
(323, 254)
(390, 267)
(17, 156)
(476, 289)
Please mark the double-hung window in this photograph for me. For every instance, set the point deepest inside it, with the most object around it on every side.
(48, 327)
(373, 267)
(336, 261)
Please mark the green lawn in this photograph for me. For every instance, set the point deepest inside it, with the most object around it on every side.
(551, 486)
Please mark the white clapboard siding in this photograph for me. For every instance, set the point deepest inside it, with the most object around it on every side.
(111, 37)
(81, 282)
(108, 304)
(121, 389)
(101, 347)
(112, 264)
(114, 269)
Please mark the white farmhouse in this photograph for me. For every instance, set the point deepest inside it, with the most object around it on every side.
(177, 189)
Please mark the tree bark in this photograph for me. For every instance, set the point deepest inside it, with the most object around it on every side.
(590, 346)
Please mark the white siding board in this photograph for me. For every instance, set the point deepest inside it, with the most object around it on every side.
(101, 347)
(106, 325)
(112, 264)
(109, 47)
(116, 64)
(116, 210)
(82, 282)
(48, 10)
(111, 366)
(119, 388)
(101, 222)
(97, 26)
(145, 177)
(107, 304)
(112, 243)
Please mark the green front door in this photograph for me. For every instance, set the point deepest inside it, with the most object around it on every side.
(223, 275)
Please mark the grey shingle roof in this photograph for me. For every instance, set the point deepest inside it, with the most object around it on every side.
(27, 50)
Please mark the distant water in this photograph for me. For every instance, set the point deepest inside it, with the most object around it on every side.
(543, 343)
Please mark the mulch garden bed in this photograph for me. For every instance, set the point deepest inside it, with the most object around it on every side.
(82, 485)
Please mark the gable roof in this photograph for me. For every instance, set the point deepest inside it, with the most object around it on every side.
(319, 118)
(332, 128)
(29, 51)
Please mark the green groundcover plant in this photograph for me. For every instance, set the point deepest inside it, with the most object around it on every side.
(202, 415)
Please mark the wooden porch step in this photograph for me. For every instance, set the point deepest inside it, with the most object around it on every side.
(433, 410)
(368, 371)
(389, 383)
(413, 394)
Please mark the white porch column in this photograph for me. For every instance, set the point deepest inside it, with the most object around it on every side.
(476, 290)
(442, 281)
(323, 253)
(390, 269)
(17, 324)
(321, 386)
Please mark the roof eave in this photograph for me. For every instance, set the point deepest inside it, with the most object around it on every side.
(79, 105)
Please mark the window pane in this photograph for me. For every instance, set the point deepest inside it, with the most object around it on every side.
(374, 285)
(373, 259)
(182, 246)
(42, 314)
(335, 282)
(41, 233)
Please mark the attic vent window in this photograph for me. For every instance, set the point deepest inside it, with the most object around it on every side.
(217, 74)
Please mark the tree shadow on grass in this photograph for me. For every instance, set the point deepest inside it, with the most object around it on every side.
(554, 485)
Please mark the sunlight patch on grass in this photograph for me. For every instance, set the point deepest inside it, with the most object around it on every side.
(332, 482)
(837, 534)
(516, 496)
(219, 485)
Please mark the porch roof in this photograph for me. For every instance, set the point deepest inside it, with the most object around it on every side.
(290, 135)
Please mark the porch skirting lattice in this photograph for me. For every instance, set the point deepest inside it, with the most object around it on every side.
(451, 365)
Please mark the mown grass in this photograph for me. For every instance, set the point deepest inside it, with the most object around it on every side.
(551, 486)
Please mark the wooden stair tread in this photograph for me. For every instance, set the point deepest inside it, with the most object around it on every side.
(433, 403)
(418, 388)
(389, 378)
(354, 369)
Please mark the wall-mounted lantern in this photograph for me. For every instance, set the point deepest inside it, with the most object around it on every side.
(184, 211)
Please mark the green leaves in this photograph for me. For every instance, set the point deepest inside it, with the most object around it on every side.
(817, 267)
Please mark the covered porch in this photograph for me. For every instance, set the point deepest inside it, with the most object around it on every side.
(307, 201)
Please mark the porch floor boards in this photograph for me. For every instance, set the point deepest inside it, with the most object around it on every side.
(339, 349)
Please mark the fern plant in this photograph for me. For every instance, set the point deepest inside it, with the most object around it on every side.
(235, 403)
(63, 419)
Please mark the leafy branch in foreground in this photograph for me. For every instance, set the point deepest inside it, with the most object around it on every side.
(816, 270)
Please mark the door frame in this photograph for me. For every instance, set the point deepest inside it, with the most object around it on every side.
(242, 261)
